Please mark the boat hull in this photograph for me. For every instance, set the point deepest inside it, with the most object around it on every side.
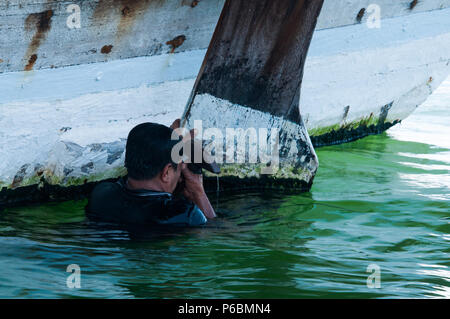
(65, 118)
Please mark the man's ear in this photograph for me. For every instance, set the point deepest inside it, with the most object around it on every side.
(165, 175)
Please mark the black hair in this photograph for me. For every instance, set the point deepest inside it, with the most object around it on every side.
(148, 150)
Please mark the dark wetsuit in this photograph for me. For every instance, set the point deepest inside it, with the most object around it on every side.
(115, 203)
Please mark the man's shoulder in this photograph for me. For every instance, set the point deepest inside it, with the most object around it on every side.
(106, 188)
(104, 194)
(105, 202)
(114, 202)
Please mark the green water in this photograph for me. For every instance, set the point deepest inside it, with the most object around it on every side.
(382, 200)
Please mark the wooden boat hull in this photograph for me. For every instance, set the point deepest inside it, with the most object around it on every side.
(69, 96)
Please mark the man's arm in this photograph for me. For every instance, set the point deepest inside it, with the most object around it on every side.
(195, 192)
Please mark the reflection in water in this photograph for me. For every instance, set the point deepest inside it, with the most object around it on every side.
(441, 272)
(430, 125)
(382, 200)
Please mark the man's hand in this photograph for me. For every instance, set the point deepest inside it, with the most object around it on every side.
(176, 124)
(194, 191)
(193, 183)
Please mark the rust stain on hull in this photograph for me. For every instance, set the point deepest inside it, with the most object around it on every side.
(360, 15)
(127, 11)
(41, 24)
(176, 42)
(106, 49)
(31, 62)
(190, 3)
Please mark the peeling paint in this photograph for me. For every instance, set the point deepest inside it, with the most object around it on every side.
(18, 178)
(384, 112)
(294, 142)
(346, 109)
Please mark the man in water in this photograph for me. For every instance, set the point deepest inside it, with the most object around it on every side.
(146, 195)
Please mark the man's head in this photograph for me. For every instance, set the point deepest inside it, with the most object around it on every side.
(148, 156)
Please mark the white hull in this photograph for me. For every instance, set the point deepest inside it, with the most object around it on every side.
(68, 125)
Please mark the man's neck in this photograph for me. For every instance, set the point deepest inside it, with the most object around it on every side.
(150, 185)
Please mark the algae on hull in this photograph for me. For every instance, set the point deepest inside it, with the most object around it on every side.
(347, 132)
